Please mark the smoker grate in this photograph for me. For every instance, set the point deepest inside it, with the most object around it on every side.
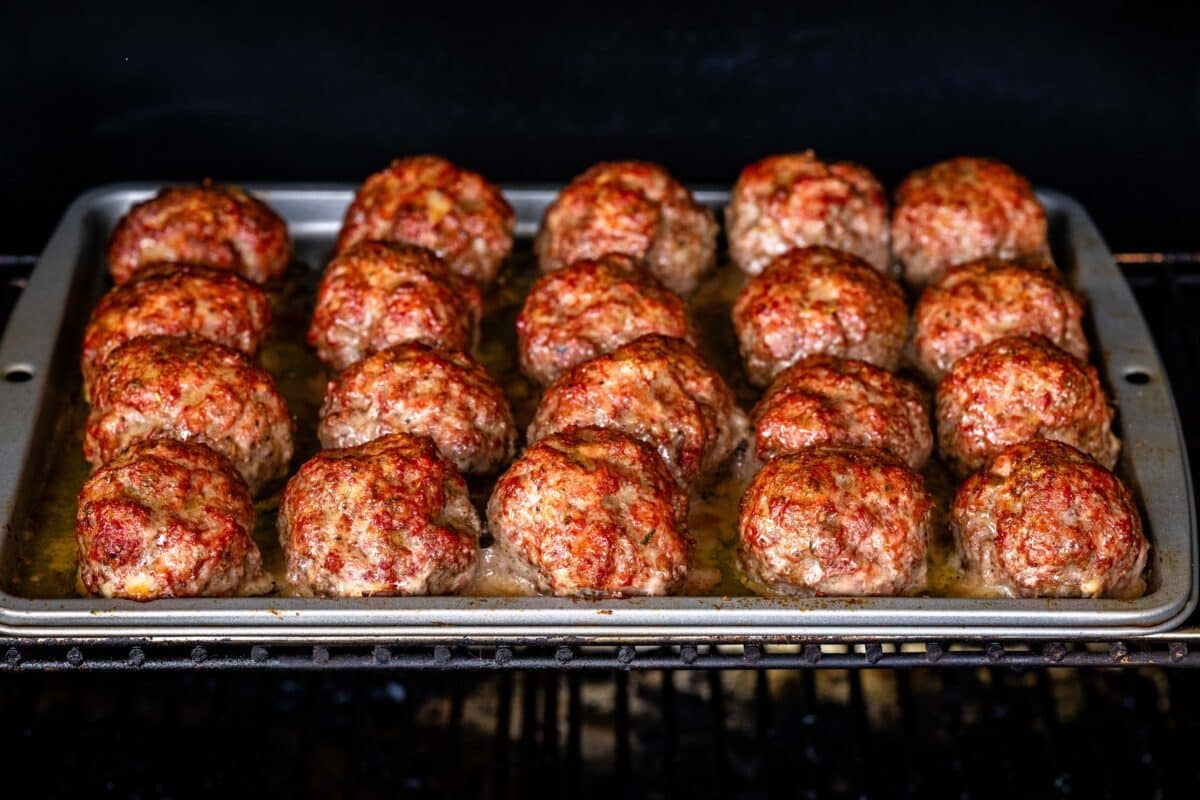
(1167, 287)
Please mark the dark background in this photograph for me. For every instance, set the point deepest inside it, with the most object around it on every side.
(1099, 100)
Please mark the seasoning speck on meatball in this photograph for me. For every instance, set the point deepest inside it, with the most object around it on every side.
(1019, 388)
(390, 517)
(658, 390)
(223, 227)
(176, 300)
(636, 209)
(963, 209)
(1045, 520)
(823, 400)
(835, 521)
(412, 388)
(167, 519)
(190, 389)
(978, 302)
(594, 307)
(797, 200)
(430, 202)
(377, 294)
(595, 513)
(817, 300)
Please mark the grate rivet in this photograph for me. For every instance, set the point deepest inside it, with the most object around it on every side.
(563, 654)
(874, 653)
(812, 653)
(1055, 651)
(137, 656)
(12, 656)
(382, 654)
(74, 657)
(1177, 650)
(933, 652)
(625, 654)
(441, 655)
(752, 653)
(320, 655)
(199, 654)
(995, 651)
(504, 655)
(688, 654)
(258, 654)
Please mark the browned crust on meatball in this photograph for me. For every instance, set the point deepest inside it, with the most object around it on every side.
(412, 388)
(636, 209)
(963, 209)
(818, 300)
(222, 227)
(827, 401)
(978, 302)
(1045, 520)
(835, 521)
(595, 513)
(1019, 388)
(590, 308)
(658, 390)
(167, 519)
(378, 294)
(190, 389)
(428, 201)
(797, 200)
(390, 517)
(176, 300)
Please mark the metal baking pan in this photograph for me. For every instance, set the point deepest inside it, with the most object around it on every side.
(39, 363)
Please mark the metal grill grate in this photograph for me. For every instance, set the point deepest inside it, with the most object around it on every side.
(1167, 286)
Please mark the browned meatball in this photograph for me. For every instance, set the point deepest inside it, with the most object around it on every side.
(1018, 388)
(167, 519)
(963, 209)
(636, 209)
(1045, 520)
(817, 300)
(594, 513)
(594, 307)
(656, 389)
(823, 400)
(797, 200)
(430, 202)
(835, 521)
(978, 302)
(190, 389)
(412, 388)
(176, 300)
(378, 294)
(390, 517)
(223, 227)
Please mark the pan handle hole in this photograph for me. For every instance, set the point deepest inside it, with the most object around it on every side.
(1137, 376)
(18, 373)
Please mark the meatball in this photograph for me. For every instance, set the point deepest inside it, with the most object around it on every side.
(658, 390)
(223, 227)
(390, 517)
(835, 521)
(1045, 520)
(822, 400)
(818, 300)
(427, 201)
(190, 389)
(978, 302)
(376, 295)
(590, 308)
(594, 513)
(636, 209)
(167, 519)
(797, 200)
(963, 209)
(176, 300)
(1018, 388)
(412, 388)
